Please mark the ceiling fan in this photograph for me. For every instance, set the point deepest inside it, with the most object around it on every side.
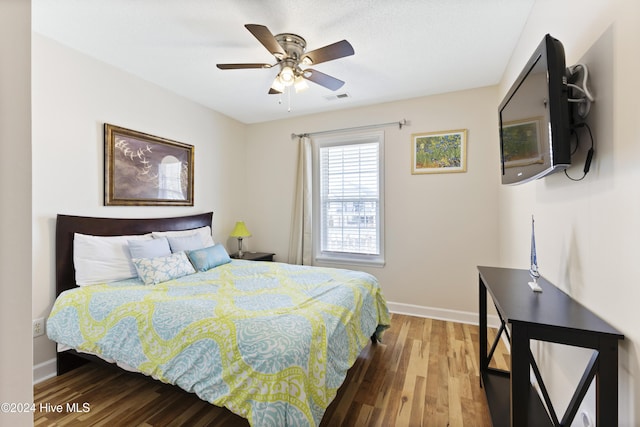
(293, 60)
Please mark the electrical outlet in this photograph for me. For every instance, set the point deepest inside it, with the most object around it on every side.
(38, 327)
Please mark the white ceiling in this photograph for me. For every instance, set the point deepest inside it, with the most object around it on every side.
(403, 48)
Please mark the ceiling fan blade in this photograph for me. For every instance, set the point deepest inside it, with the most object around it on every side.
(323, 79)
(272, 91)
(267, 39)
(333, 51)
(239, 66)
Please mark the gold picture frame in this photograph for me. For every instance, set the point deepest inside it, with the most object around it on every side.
(146, 170)
(439, 152)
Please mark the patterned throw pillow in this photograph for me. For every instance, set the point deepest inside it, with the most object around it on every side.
(161, 269)
(208, 258)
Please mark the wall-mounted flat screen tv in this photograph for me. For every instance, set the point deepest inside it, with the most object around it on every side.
(535, 118)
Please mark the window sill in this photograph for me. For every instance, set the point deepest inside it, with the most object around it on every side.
(346, 260)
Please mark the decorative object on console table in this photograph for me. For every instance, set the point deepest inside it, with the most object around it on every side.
(240, 232)
(254, 256)
(146, 170)
(533, 269)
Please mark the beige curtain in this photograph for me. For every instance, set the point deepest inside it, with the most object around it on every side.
(301, 229)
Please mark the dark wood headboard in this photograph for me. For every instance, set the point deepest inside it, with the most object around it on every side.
(66, 225)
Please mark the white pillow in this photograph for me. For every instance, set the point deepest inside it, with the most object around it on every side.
(103, 259)
(203, 232)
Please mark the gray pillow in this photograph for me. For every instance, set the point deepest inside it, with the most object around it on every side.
(152, 248)
(185, 243)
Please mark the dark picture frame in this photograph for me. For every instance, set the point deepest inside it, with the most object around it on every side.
(146, 170)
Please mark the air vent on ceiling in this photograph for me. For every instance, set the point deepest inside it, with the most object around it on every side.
(339, 96)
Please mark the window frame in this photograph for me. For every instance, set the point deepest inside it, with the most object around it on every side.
(320, 256)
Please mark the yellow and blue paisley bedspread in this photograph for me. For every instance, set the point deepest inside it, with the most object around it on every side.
(272, 342)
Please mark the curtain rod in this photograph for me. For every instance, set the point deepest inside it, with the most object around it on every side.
(400, 123)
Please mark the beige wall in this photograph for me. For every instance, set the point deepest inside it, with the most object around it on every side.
(73, 95)
(439, 227)
(15, 221)
(587, 232)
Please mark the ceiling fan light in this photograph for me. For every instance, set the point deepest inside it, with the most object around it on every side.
(300, 84)
(277, 85)
(286, 76)
(306, 61)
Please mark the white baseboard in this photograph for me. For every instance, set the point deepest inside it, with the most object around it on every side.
(44, 371)
(442, 314)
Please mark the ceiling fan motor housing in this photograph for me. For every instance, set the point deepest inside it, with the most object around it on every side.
(293, 45)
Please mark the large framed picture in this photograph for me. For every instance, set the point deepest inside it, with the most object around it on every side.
(146, 170)
(439, 152)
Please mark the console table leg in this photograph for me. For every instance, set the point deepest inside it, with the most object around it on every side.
(484, 363)
(607, 385)
(520, 383)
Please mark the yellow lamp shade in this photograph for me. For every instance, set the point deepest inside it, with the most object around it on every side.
(240, 230)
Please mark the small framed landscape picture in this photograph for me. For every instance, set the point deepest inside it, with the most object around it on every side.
(146, 170)
(439, 152)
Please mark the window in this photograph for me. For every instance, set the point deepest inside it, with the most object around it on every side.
(348, 218)
(170, 171)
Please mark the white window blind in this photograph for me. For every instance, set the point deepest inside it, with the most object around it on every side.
(350, 194)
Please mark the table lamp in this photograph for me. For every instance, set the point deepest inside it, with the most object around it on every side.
(240, 231)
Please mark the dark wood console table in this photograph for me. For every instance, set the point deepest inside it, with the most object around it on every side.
(551, 316)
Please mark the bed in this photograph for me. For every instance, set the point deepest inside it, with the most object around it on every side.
(272, 342)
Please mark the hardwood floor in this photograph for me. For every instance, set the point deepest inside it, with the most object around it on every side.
(425, 373)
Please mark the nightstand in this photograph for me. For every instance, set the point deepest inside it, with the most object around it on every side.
(254, 256)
